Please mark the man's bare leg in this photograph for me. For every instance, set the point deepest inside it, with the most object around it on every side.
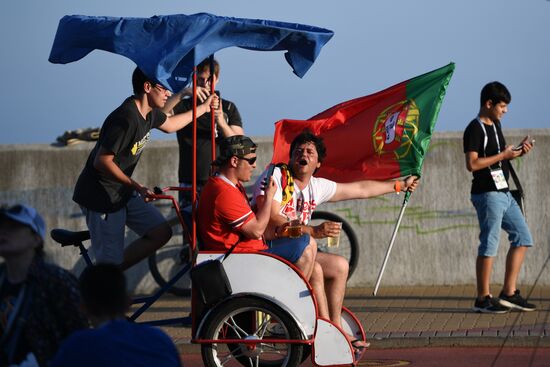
(514, 259)
(484, 267)
(335, 271)
(306, 262)
(317, 283)
(145, 246)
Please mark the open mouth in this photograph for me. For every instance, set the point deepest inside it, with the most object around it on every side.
(302, 162)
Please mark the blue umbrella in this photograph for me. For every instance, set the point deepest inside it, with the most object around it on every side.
(168, 47)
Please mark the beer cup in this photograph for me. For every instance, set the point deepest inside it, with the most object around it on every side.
(335, 241)
(294, 229)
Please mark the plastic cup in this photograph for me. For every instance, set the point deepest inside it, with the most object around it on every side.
(335, 241)
(294, 229)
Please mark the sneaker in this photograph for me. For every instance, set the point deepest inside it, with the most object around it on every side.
(516, 301)
(489, 305)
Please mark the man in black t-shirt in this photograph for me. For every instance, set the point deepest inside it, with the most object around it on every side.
(228, 123)
(107, 194)
(488, 158)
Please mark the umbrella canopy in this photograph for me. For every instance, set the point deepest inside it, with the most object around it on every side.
(168, 47)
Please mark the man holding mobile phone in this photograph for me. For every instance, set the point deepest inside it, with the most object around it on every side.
(488, 158)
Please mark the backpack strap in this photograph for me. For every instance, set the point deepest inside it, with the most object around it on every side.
(515, 178)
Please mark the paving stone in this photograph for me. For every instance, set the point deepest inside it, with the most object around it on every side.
(473, 333)
(397, 334)
(489, 333)
(458, 333)
(427, 333)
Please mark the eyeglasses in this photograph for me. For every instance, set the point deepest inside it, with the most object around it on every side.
(250, 161)
(161, 88)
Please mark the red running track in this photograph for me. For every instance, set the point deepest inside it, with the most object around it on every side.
(439, 357)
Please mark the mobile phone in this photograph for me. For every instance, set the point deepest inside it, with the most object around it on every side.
(268, 175)
(520, 146)
(217, 93)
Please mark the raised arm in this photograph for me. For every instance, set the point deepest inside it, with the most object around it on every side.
(202, 95)
(177, 122)
(256, 227)
(226, 130)
(370, 188)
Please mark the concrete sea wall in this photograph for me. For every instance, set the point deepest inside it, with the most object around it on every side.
(436, 245)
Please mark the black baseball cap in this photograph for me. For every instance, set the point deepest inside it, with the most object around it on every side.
(236, 145)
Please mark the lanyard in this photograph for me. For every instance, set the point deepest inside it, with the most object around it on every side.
(486, 139)
(16, 307)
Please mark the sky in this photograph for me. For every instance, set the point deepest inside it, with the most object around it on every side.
(377, 43)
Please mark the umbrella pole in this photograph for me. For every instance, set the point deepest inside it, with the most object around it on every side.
(392, 241)
(212, 116)
(194, 169)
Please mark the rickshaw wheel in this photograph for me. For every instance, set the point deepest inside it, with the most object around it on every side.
(251, 318)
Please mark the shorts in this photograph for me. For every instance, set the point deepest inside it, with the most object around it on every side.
(496, 210)
(107, 229)
(290, 249)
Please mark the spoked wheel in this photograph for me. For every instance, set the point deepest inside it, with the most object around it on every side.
(348, 246)
(250, 318)
(167, 261)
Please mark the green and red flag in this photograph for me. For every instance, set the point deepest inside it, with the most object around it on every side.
(380, 136)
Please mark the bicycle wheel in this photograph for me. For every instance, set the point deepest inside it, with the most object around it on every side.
(348, 247)
(251, 318)
(168, 260)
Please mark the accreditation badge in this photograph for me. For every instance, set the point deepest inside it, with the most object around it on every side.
(499, 179)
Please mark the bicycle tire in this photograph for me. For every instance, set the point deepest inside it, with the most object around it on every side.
(170, 258)
(348, 247)
(238, 318)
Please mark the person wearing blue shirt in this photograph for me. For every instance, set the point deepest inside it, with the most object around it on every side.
(114, 341)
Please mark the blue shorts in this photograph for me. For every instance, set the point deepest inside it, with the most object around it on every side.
(290, 249)
(107, 230)
(496, 210)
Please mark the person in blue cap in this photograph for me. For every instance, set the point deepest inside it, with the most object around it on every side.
(39, 302)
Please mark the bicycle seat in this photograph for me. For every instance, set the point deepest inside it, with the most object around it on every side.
(69, 238)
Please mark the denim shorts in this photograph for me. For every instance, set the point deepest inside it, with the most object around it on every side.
(290, 249)
(107, 230)
(496, 210)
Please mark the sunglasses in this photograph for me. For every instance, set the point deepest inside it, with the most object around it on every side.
(250, 161)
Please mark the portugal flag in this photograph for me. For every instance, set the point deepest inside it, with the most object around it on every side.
(381, 136)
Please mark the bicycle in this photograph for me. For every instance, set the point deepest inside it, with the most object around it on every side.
(169, 259)
(77, 238)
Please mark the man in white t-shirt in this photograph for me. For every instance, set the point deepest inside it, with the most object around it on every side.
(298, 194)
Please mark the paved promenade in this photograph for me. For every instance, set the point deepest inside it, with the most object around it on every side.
(413, 317)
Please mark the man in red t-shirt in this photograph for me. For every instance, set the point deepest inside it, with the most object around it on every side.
(226, 218)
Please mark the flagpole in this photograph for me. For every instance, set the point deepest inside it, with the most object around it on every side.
(392, 241)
